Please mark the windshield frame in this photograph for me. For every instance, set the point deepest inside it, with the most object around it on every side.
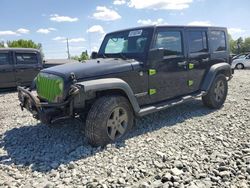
(137, 55)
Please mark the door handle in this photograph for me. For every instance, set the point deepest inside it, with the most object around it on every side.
(183, 63)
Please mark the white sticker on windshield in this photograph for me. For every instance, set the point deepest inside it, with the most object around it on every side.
(135, 33)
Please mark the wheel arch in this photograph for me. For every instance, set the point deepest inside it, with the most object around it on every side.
(109, 86)
(219, 68)
(240, 63)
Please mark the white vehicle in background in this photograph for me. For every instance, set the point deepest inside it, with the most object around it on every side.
(241, 62)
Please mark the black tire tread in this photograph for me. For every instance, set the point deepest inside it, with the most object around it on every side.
(95, 119)
(208, 99)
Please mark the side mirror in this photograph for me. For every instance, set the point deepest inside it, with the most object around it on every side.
(155, 55)
(94, 55)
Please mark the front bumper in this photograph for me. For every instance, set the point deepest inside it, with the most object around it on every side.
(44, 111)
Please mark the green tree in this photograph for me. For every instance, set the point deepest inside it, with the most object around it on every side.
(2, 44)
(25, 44)
(84, 56)
(246, 45)
(239, 43)
(77, 58)
(232, 44)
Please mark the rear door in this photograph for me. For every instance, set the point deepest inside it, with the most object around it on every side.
(198, 57)
(7, 76)
(27, 67)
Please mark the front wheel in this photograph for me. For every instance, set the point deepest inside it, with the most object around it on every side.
(108, 120)
(217, 93)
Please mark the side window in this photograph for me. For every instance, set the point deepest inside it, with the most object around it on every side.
(197, 41)
(171, 41)
(4, 59)
(218, 41)
(26, 58)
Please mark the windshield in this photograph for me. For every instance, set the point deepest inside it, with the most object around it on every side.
(128, 43)
(240, 56)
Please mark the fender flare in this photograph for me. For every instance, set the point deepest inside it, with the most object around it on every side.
(225, 68)
(93, 86)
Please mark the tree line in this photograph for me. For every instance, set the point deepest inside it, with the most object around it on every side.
(239, 45)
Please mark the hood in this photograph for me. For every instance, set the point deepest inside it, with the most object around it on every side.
(92, 68)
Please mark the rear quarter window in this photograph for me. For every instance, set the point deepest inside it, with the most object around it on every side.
(218, 41)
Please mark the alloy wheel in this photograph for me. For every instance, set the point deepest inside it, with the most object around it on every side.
(117, 123)
(239, 66)
(219, 91)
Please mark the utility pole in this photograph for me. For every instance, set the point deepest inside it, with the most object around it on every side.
(68, 48)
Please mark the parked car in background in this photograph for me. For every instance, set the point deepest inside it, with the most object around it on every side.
(241, 62)
(19, 66)
(239, 56)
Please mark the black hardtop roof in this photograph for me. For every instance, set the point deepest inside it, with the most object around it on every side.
(171, 26)
(20, 49)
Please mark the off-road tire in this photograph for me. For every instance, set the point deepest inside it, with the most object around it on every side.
(211, 100)
(100, 115)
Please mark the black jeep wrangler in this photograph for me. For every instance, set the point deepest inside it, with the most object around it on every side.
(136, 72)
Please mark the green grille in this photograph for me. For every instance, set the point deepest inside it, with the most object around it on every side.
(49, 87)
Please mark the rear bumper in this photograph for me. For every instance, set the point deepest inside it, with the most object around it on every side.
(44, 111)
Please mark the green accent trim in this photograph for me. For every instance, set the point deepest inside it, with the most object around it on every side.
(152, 91)
(49, 87)
(191, 66)
(190, 83)
(151, 72)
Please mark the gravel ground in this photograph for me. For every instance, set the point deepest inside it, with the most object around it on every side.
(184, 146)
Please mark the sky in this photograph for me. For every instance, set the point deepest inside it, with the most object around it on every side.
(85, 22)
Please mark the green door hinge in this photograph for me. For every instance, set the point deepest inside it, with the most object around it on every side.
(191, 66)
(190, 83)
(152, 91)
(151, 72)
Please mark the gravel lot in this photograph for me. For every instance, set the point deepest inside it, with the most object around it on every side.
(184, 146)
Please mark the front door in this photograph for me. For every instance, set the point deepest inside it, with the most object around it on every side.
(27, 67)
(168, 77)
(7, 76)
(198, 57)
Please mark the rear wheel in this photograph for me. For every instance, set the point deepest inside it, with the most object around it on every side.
(108, 120)
(239, 66)
(217, 93)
